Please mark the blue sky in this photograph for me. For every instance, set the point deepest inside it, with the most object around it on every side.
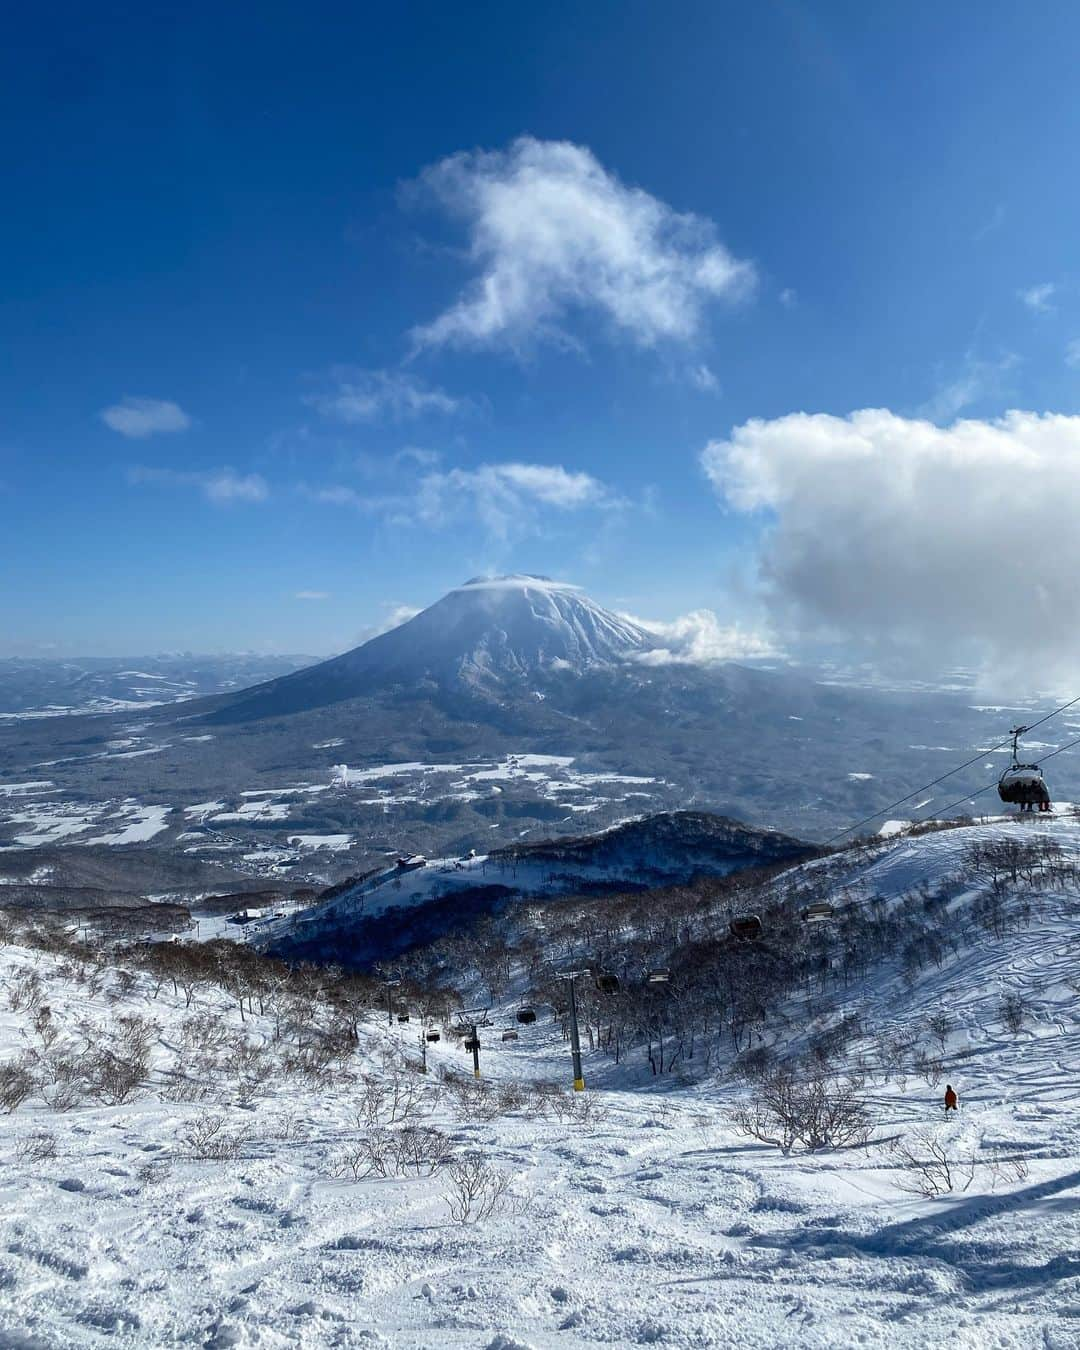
(311, 312)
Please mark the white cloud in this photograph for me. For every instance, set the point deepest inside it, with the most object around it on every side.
(504, 496)
(311, 595)
(336, 495)
(699, 638)
(551, 232)
(978, 380)
(504, 499)
(366, 395)
(701, 377)
(1037, 298)
(1072, 354)
(881, 529)
(789, 298)
(139, 417)
(220, 486)
(395, 615)
(416, 454)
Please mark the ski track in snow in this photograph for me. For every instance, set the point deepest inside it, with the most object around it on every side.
(654, 1225)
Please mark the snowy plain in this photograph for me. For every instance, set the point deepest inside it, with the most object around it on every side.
(637, 1214)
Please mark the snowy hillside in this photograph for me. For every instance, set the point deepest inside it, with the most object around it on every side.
(198, 1156)
(406, 902)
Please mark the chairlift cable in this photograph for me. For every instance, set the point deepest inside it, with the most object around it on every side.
(966, 764)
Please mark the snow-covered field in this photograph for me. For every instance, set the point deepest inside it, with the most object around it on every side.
(549, 776)
(38, 812)
(636, 1214)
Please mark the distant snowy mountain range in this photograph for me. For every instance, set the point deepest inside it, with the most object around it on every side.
(55, 686)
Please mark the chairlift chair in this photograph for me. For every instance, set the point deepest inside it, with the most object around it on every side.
(745, 927)
(660, 976)
(471, 1043)
(509, 1035)
(1023, 785)
(403, 1017)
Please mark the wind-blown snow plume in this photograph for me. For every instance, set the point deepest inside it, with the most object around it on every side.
(552, 231)
(897, 532)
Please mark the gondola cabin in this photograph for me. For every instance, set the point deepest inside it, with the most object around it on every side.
(607, 983)
(819, 912)
(745, 927)
(432, 1036)
(526, 1016)
(1023, 785)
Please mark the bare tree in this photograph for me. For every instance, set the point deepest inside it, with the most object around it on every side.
(817, 1112)
(477, 1190)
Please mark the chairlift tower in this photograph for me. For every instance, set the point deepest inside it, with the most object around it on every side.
(390, 985)
(470, 1019)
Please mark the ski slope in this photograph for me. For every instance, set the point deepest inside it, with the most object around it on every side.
(651, 1222)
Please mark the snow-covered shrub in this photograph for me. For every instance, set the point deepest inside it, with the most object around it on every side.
(117, 1059)
(207, 1139)
(153, 1170)
(17, 1082)
(932, 1163)
(36, 1147)
(935, 1162)
(930, 1069)
(1013, 1012)
(473, 1099)
(358, 1160)
(576, 1108)
(420, 1150)
(181, 1085)
(476, 1190)
(512, 1096)
(815, 1112)
(388, 1099)
(25, 990)
(940, 1024)
(62, 1082)
(111, 1078)
(44, 1025)
(414, 1150)
(251, 1066)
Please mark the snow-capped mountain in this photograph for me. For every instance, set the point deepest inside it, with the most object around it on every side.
(490, 631)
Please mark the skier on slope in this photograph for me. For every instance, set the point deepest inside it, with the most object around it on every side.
(950, 1098)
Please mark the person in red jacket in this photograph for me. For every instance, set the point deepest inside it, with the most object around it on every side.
(950, 1098)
